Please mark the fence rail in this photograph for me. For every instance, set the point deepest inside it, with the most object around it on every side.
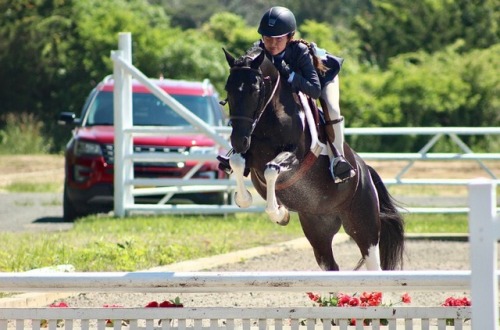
(206, 282)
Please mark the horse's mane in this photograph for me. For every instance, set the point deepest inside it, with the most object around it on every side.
(249, 56)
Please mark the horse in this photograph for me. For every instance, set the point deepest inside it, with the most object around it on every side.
(272, 141)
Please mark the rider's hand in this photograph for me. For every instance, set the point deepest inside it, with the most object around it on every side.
(283, 68)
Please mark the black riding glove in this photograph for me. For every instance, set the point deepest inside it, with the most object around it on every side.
(283, 68)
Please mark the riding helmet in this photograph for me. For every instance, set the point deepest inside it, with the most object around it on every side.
(277, 21)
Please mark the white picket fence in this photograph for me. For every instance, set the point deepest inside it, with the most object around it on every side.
(482, 280)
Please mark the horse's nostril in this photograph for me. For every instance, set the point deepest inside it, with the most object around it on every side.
(246, 142)
(240, 143)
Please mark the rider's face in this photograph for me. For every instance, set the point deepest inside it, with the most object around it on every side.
(275, 45)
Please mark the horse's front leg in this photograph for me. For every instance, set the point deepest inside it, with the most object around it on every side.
(277, 213)
(242, 196)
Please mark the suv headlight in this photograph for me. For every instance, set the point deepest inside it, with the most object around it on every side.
(87, 148)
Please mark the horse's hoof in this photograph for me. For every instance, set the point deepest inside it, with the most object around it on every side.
(281, 216)
(286, 217)
(243, 201)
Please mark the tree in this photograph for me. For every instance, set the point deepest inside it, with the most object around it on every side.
(395, 27)
(336, 40)
(231, 31)
(194, 57)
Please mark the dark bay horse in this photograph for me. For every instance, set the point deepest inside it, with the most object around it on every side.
(272, 139)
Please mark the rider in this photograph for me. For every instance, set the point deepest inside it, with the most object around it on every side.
(306, 73)
(297, 61)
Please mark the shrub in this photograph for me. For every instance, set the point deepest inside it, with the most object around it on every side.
(22, 134)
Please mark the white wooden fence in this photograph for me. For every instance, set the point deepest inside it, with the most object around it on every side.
(482, 280)
(126, 186)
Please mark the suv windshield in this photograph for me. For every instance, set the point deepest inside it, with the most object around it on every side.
(148, 110)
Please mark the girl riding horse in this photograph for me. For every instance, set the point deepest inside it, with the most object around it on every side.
(299, 66)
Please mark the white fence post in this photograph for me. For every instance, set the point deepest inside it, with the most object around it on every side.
(484, 232)
(123, 145)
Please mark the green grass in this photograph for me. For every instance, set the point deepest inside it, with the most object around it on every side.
(30, 187)
(437, 223)
(135, 243)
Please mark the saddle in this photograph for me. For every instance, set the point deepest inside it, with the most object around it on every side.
(323, 124)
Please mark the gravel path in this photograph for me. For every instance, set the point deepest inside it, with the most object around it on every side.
(31, 212)
(420, 255)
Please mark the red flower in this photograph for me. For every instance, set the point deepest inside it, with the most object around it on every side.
(354, 301)
(456, 302)
(61, 304)
(405, 298)
(313, 297)
(371, 298)
(343, 299)
(152, 304)
(166, 303)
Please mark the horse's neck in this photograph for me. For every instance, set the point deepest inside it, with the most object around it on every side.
(283, 124)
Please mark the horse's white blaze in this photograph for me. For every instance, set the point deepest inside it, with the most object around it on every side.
(276, 213)
(242, 196)
(372, 260)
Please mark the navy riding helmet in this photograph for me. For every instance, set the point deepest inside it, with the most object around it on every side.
(277, 21)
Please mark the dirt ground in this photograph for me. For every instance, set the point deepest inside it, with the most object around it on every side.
(31, 168)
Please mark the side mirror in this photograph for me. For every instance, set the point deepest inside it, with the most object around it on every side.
(66, 118)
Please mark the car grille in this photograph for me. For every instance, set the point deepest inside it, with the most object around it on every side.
(109, 154)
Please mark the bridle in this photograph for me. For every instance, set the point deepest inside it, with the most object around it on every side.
(260, 107)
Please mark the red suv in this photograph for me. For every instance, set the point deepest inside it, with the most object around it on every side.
(89, 157)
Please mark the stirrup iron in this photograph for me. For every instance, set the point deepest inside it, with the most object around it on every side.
(341, 170)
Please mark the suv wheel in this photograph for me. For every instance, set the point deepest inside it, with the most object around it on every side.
(70, 213)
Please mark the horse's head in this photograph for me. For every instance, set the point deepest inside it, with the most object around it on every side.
(247, 92)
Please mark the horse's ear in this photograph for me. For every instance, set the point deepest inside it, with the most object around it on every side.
(258, 60)
(229, 57)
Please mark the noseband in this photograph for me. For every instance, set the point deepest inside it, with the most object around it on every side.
(260, 109)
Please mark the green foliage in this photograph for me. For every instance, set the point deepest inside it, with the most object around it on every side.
(395, 27)
(337, 40)
(22, 134)
(98, 25)
(194, 56)
(231, 31)
(447, 88)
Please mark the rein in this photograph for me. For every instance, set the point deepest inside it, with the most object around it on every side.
(254, 121)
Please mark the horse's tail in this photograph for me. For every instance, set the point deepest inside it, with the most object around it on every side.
(392, 227)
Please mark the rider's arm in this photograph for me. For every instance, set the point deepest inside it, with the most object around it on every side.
(303, 77)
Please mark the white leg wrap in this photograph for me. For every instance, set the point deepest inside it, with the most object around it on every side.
(372, 260)
(277, 213)
(242, 196)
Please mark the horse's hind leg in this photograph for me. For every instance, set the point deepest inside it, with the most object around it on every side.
(364, 228)
(319, 230)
